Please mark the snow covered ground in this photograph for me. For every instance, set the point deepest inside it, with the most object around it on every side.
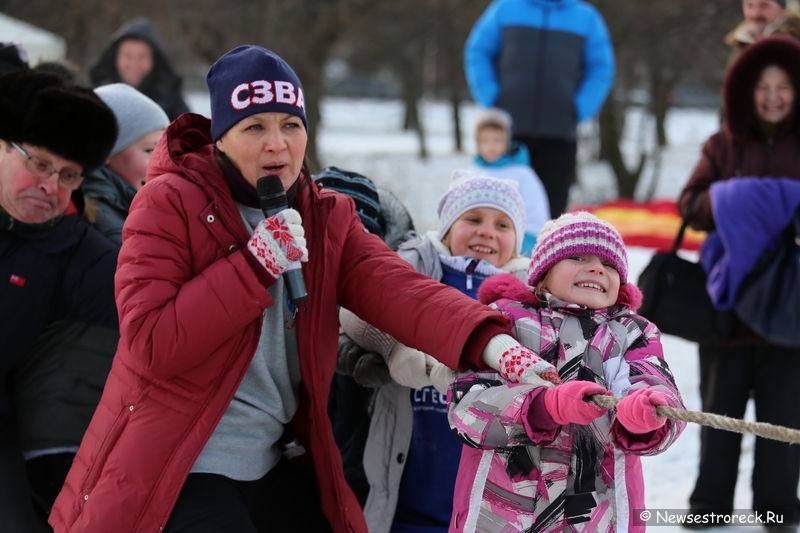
(366, 136)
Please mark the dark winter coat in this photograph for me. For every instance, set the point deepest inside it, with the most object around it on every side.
(549, 63)
(113, 196)
(56, 387)
(191, 299)
(162, 84)
(742, 148)
(64, 272)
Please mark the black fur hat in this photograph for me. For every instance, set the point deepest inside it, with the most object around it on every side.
(72, 122)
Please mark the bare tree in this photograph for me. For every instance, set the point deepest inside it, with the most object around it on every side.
(658, 45)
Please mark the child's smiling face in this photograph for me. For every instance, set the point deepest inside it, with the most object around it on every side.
(584, 279)
(483, 233)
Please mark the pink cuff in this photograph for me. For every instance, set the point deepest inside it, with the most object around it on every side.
(638, 442)
(539, 425)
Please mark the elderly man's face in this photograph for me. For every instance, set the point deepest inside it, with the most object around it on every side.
(25, 196)
(761, 13)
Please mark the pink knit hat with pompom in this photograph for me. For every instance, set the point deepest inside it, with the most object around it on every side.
(582, 233)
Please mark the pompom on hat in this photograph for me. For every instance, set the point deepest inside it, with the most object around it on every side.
(137, 115)
(582, 233)
(250, 80)
(43, 110)
(469, 190)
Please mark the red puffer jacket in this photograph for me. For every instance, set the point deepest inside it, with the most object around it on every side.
(190, 304)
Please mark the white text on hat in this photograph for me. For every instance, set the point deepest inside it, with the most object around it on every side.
(262, 93)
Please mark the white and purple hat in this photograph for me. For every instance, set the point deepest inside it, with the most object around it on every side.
(469, 189)
(249, 80)
(574, 234)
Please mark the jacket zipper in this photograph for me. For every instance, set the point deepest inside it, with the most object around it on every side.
(540, 67)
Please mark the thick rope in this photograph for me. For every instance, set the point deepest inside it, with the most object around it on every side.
(760, 429)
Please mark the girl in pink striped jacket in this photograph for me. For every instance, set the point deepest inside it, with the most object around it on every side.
(542, 458)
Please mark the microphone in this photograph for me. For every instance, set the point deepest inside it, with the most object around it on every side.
(272, 199)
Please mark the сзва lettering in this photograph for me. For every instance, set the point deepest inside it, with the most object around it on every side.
(264, 92)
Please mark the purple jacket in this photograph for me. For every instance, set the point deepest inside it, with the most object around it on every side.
(521, 470)
(750, 215)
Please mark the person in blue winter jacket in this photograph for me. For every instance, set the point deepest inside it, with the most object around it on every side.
(550, 64)
(502, 158)
(411, 456)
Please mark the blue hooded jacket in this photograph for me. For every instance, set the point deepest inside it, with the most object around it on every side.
(549, 63)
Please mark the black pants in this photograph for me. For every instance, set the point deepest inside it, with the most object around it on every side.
(348, 408)
(17, 513)
(46, 475)
(283, 501)
(554, 161)
(728, 378)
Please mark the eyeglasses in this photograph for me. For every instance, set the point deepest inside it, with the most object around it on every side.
(43, 170)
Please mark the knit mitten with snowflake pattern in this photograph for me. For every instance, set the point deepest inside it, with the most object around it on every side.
(279, 241)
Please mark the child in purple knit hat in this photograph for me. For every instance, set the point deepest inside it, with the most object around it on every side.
(547, 458)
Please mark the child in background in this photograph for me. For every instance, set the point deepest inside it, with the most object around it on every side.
(544, 458)
(411, 457)
(112, 187)
(503, 158)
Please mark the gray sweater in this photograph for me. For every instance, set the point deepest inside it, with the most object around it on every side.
(243, 446)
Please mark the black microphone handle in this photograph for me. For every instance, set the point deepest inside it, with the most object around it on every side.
(295, 286)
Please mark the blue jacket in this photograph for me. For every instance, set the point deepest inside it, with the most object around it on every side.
(549, 63)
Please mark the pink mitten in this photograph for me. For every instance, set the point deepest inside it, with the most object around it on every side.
(637, 411)
(279, 241)
(566, 403)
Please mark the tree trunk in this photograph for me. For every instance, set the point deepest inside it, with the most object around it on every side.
(660, 88)
(455, 106)
(312, 86)
(610, 136)
(412, 94)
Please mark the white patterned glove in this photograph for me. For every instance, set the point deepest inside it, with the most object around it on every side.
(407, 367)
(279, 241)
(518, 364)
(440, 374)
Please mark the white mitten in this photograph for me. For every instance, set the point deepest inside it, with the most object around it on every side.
(278, 241)
(366, 336)
(517, 363)
(440, 374)
(407, 367)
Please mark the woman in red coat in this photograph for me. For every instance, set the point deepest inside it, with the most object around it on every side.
(214, 416)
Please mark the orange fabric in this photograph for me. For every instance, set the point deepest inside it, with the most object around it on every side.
(652, 224)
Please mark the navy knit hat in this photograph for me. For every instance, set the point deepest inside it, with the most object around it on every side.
(249, 80)
(363, 192)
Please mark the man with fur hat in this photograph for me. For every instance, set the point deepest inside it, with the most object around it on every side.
(58, 322)
(761, 17)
